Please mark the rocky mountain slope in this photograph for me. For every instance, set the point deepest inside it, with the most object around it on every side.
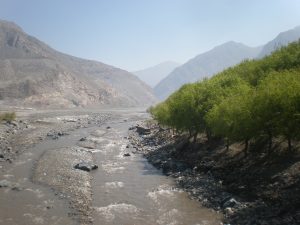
(33, 74)
(153, 75)
(205, 65)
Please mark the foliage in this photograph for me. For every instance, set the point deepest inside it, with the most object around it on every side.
(254, 98)
(9, 116)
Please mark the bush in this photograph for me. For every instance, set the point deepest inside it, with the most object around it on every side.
(9, 116)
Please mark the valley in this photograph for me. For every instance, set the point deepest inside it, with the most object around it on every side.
(207, 135)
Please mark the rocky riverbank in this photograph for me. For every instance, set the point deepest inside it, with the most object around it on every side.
(248, 190)
(22, 133)
(32, 160)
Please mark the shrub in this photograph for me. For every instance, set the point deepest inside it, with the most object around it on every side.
(8, 116)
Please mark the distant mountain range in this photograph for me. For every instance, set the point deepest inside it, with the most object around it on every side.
(219, 58)
(282, 39)
(33, 74)
(153, 75)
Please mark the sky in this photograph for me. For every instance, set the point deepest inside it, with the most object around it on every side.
(136, 34)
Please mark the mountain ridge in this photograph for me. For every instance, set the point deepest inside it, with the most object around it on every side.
(204, 65)
(215, 60)
(282, 39)
(152, 75)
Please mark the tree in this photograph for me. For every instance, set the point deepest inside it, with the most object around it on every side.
(278, 104)
(232, 118)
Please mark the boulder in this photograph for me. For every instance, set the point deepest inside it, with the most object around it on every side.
(85, 166)
(142, 130)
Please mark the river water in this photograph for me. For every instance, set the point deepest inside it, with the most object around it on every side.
(126, 189)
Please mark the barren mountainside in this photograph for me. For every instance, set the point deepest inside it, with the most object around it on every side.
(33, 74)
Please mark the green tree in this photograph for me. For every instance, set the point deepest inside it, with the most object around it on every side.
(277, 105)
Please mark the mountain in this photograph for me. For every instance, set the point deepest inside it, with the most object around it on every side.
(205, 65)
(32, 73)
(218, 59)
(282, 39)
(154, 74)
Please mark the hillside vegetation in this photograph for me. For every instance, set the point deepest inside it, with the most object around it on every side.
(257, 99)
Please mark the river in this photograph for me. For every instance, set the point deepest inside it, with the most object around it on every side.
(123, 190)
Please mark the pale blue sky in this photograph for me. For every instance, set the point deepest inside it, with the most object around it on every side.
(135, 34)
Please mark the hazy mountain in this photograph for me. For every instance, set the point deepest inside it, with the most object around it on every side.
(282, 39)
(217, 59)
(35, 74)
(205, 65)
(153, 75)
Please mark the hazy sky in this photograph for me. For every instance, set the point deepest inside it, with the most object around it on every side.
(135, 34)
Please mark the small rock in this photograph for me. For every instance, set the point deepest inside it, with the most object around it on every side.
(17, 188)
(108, 127)
(228, 211)
(157, 162)
(85, 166)
(1, 156)
(14, 123)
(126, 154)
(142, 130)
(82, 139)
(230, 203)
(5, 183)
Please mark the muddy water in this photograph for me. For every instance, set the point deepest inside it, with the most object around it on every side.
(126, 189)
(24, 202)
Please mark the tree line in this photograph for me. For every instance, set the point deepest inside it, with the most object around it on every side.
(257, 98)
